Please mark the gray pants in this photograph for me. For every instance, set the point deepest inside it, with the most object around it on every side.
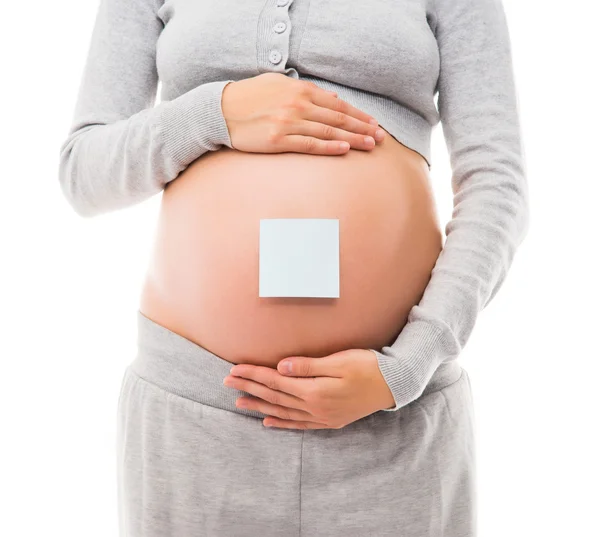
(191, 464)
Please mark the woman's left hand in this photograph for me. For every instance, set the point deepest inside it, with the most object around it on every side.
(318, 393)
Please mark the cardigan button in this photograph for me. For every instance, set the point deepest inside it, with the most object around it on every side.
(274, 56)
(280, 27)
(282, 2)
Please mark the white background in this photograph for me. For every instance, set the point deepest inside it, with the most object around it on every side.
(70, 289)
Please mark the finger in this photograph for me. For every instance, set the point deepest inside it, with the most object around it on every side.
(341, 120)
(283, 412)
(264, 392)
(327, 132)
(334, 103)
(271, 378)
(296, 143)
(290, 424)
(302, 366)
(315, 91)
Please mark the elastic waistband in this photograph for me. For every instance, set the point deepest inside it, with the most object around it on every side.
(180, 366)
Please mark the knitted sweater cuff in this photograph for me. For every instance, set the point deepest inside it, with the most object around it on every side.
(193, 123)
(408, 365)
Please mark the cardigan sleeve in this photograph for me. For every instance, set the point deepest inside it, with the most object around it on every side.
(121, 148)
(478, 109)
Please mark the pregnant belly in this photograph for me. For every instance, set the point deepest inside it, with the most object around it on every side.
(202, 281)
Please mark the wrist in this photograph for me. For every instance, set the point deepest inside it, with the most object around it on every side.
(387, 397)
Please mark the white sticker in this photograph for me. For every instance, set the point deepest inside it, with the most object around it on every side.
(299, 257)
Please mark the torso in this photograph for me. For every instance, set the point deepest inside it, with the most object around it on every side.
(202, 282)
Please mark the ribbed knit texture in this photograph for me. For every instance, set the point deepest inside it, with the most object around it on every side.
(389, 59)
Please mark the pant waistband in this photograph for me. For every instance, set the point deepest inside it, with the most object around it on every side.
(180, 366)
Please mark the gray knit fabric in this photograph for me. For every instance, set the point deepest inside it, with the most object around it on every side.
(192, 464)
(390, 59)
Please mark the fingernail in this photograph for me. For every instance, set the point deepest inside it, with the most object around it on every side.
(373, 121)
(379, 134)
(287, 367)
(369, 140)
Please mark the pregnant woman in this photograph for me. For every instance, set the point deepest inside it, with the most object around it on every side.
(302, 109)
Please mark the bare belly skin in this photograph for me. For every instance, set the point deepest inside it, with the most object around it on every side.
(202, 281)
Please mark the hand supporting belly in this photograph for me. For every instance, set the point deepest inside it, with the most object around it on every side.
(314, 393)
(203, 278)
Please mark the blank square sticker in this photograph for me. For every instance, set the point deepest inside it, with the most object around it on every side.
(299, 257)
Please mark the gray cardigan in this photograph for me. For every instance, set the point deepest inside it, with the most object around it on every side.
(389, 59)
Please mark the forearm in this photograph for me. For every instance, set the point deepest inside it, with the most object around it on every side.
(108, 166)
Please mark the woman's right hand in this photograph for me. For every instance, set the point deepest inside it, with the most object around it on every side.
(274, 113)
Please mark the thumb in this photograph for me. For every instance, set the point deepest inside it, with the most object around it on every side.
(293, 366)
(304, 366)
